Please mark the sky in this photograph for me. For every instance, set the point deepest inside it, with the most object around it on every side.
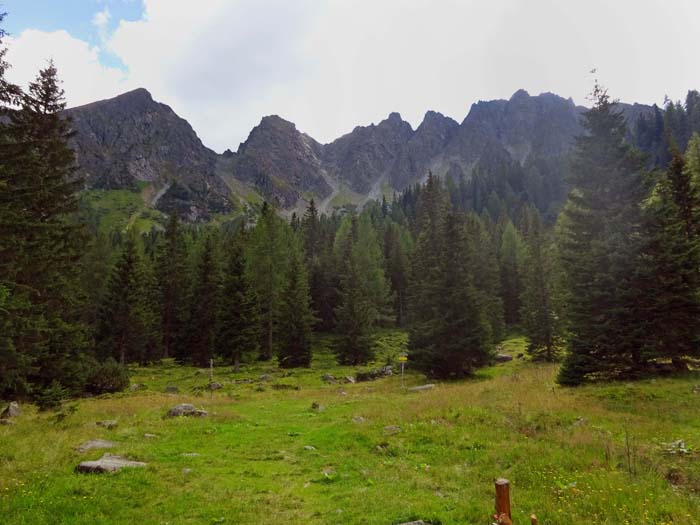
(330, 65)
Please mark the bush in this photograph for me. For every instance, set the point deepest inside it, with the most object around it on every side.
(51, 397)
(107, 377)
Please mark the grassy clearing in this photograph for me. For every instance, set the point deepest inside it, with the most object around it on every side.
(119, 209)
(564, 450)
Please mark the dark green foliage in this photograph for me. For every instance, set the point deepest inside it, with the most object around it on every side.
(171, 274)
(356, 313)
(449, 333)
(107, 377)
(204, 307)
(123, 331)
(510, 256)
(44, 337)
(672, 263)
(600, 246)
(296, 317)
(238, 323)
(51, 396)
(539, 319)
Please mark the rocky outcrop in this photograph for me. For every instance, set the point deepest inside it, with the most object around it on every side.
(281, 162)
(131, 138)
(108, 463)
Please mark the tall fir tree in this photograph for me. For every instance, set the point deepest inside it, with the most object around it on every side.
(204, 307)
(672, 262)
(356, 313)
(295, 317)
(40, 251)
(510, 256)
(238, 324)
(123, 326)
(171, 273)
(539, 319)
(600, 246)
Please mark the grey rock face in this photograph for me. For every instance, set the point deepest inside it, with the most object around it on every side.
(131, 138)
(108, 463)
(187, 410)
(11, 410)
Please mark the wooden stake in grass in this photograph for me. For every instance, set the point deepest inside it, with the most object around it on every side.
(503, 499)
(533, 520)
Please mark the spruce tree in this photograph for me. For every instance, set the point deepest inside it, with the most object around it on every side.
(295, 317)
(540, 321)
(204, 306)
(672, 261)
(171, 273)
(600, 245)
(356, 313)
(238, 323)
(510, 255)
(123, 325)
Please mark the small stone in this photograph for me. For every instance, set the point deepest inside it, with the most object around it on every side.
(309, 447)
(580, 421)
(11, 410)
(265, 377)
(696, 389)
(187, 410)
(392, 429)
(419, 522)
(358, 419)
(214, 385)
(503, 358)
(343, 393)
(172, 389)
(316, 407)
(107, 463)
(520, 355)
(429, 386)
(190, 454)
(6, 422)
(109, 424)
(350, 379)
(328, 378)
(95, 444)
(137, 386)
(150, 436)
(186, 470)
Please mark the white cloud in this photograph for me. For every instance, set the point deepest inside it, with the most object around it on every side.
(85, 79)
(329, 65)
(101, 21)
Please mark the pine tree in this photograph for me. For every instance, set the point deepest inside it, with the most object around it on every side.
(204, 307)
(296, 317)
(355, 314)
(123, 325)
(510, 255)
(539, 319)
(600, 247)
(266, 267)
(396, 242)
(449, 334)
(672, 261)
(238, 323)
(40, 251)
(171, 272)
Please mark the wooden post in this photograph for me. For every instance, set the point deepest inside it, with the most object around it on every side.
(503, 498)
(533, 520)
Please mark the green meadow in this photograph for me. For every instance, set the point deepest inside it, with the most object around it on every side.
(295, 448)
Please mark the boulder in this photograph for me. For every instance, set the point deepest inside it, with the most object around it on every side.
(309, 447)
(328, 378)
(186, 409)
(11, 410)
(109, 424)
(503, 358)
(358, 419)
(429, 386)
(215, 385)
(107, 463)
(150, 436)
(265, 377)
(95, 444)
(137, 386)
(392, 429)
(172, 389)
(350, 379)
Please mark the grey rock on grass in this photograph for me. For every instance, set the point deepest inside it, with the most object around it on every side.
(95, 444)
(107, 463)
(11, 410)
(186, 409)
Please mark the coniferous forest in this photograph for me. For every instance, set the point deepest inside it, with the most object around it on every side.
(612, 287)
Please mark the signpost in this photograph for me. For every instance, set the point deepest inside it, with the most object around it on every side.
(402, 360)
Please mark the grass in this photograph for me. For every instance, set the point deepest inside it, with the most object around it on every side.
(118, 209)
(593, 455)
